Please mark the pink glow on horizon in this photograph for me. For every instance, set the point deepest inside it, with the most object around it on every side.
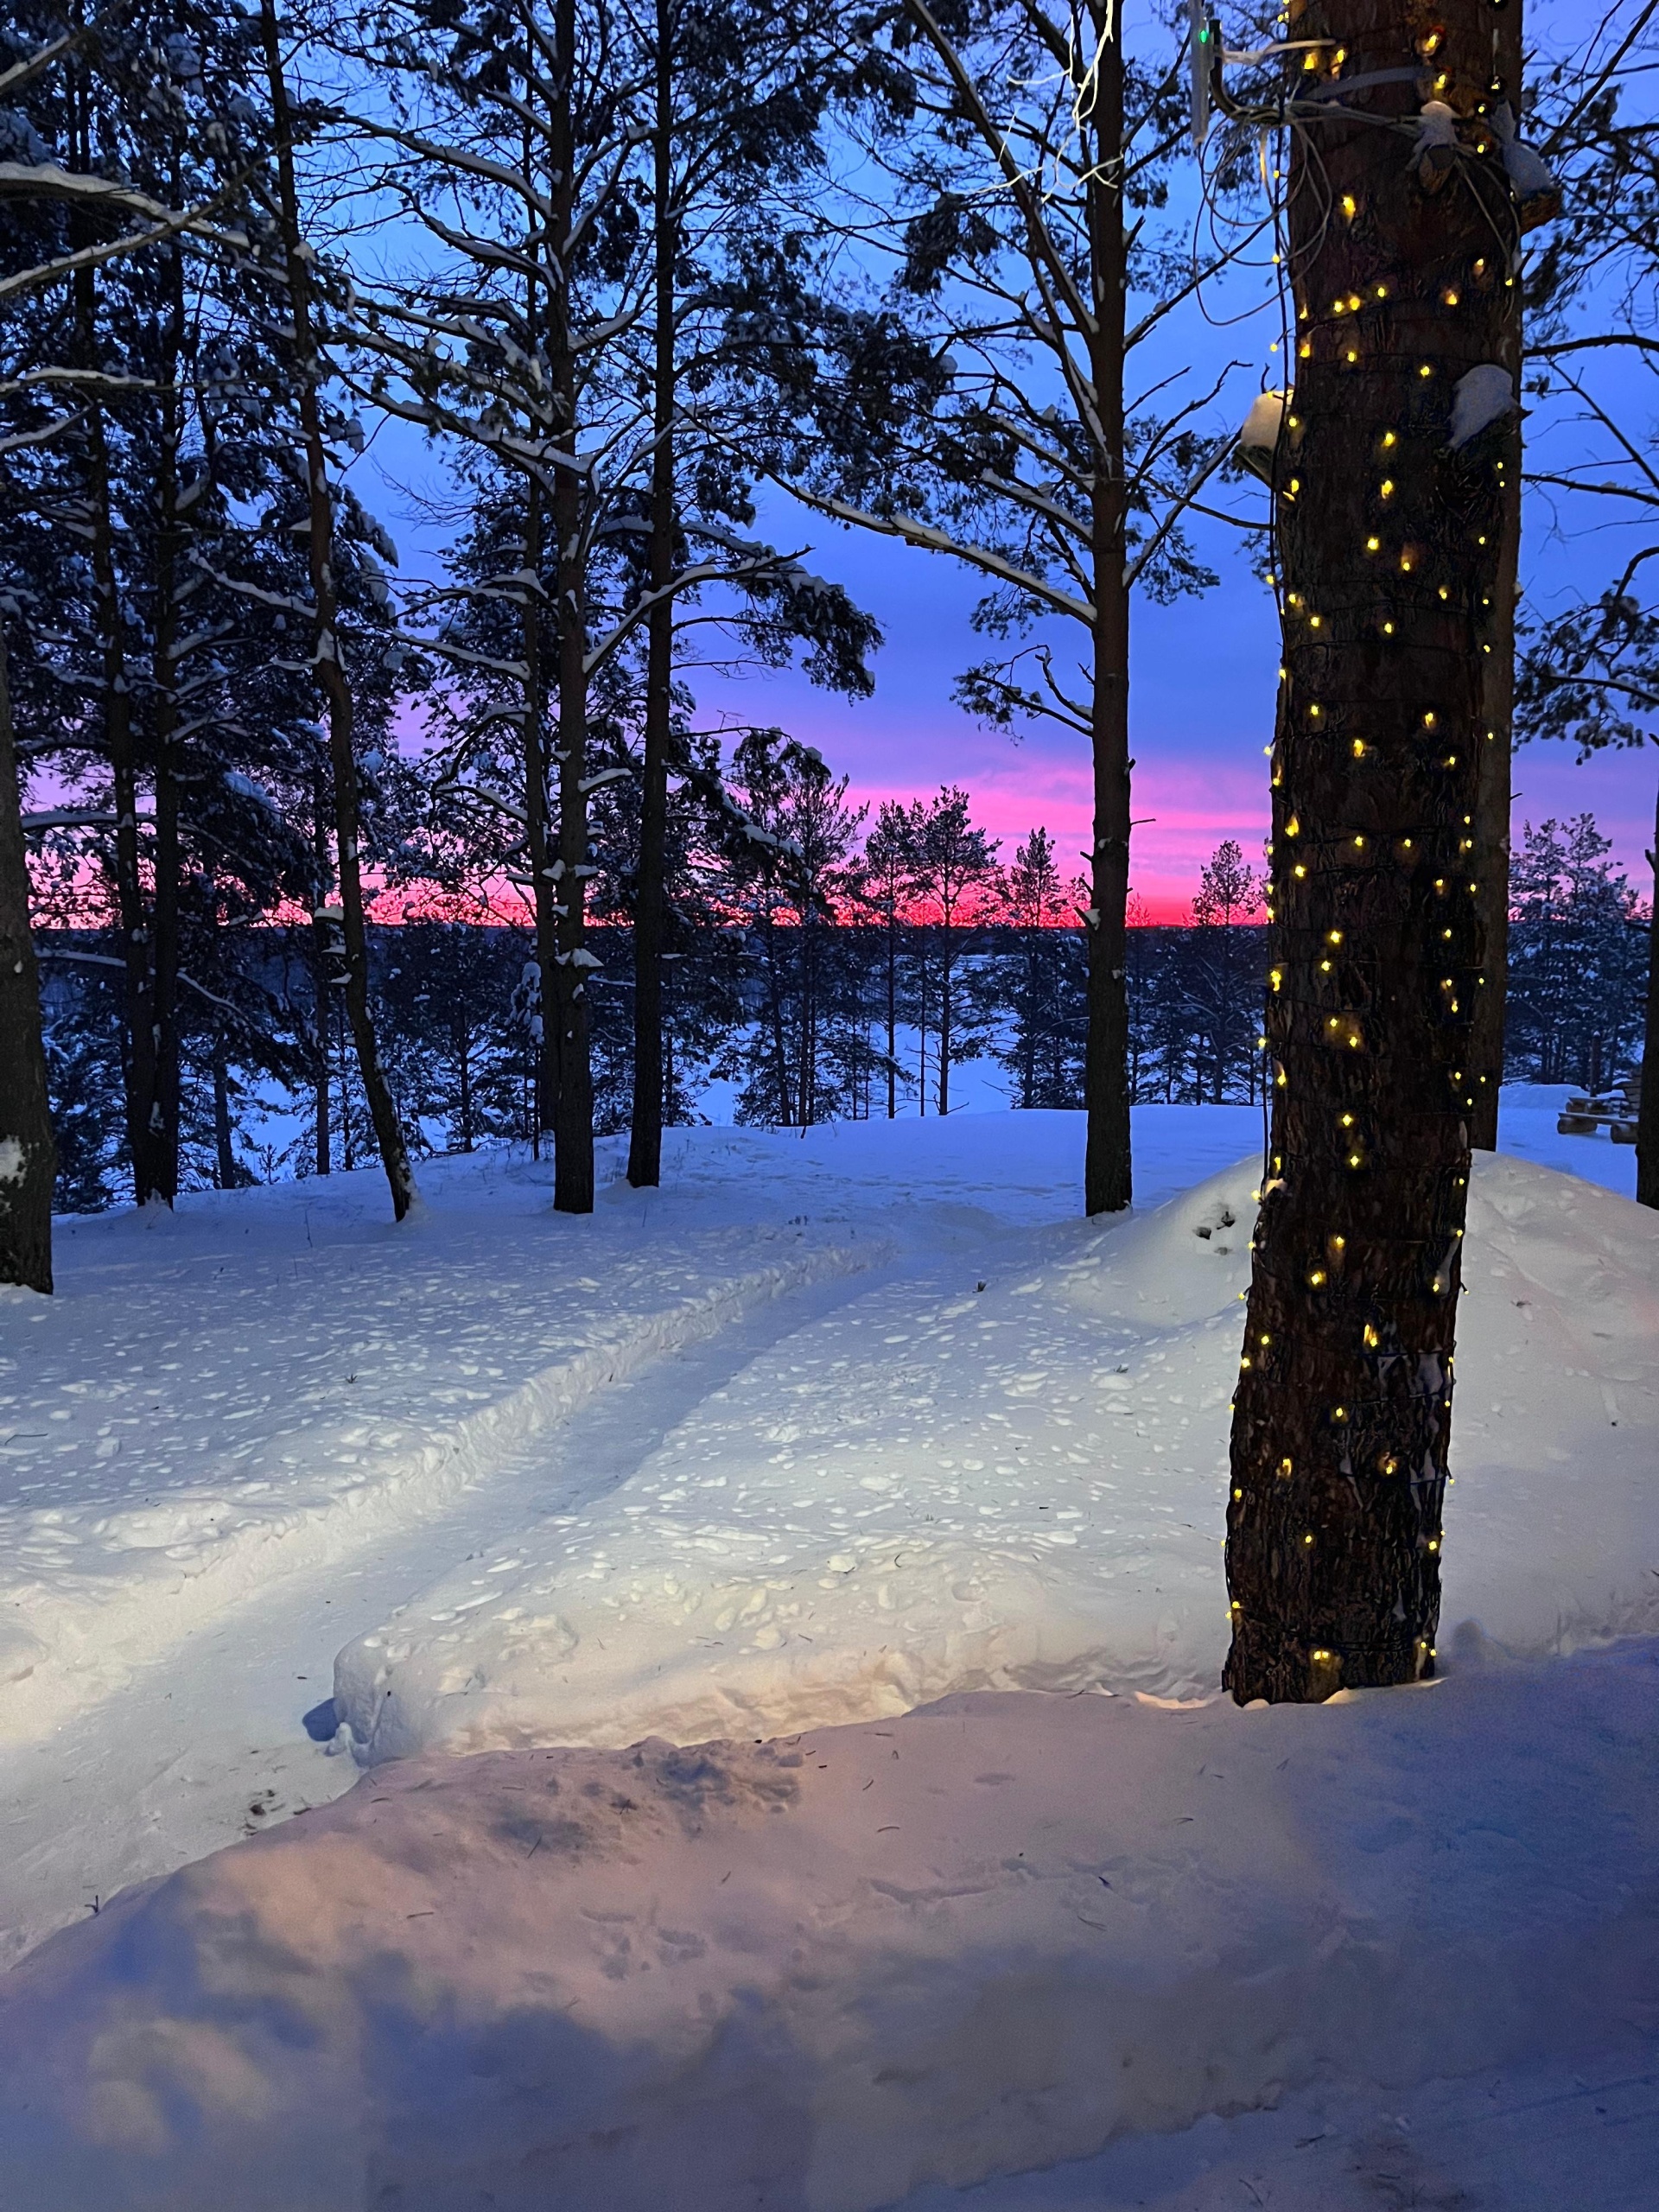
(1182, 812)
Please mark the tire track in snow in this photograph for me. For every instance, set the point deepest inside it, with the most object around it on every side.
(87, 1633)
(165, 1768)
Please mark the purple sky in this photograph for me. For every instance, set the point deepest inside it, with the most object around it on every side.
(1201, 708)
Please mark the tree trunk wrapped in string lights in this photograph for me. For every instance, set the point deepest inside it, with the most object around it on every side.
(1402, 227)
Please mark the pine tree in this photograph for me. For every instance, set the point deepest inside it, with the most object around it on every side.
(735, 103)
(982, 410)
(1579, 956)
(1042, 978)
(123, 140)
(803, 1061)
(30, 1157)
(1224, 968)
(525, 349)
(329, 657)
(1591, 675)
(1388, 513)
(890, 889)
(1590, 671)
(956, 887)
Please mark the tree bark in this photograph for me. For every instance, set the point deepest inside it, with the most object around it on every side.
(573, 1106)
(1108, 1178)
(331, 671)
(1389, 551)
(1497, 747)
(28, 1160)
(1646, 1127)
(893, 1007)
(646, 1131)
(224, 1146)
(138, 1008)
(543, 893)
(138, 1022)
(322, 976)
(163, 1119)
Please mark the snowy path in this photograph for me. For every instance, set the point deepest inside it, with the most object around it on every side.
(206, 1402)
(170, 1766)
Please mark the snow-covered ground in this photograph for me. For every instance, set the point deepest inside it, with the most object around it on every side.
(878, 1964)
(897, 1426)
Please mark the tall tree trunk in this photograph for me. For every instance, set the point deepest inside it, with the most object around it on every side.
(645, 1130)
(775, 1015)
(322, 974)
(224, 1148)
(331, 670)
(164, 680)
(946, 968)
(893, 1007)
(545, 900)
(464, 1058)
(132, 918)
(138, 1022)
(573, 1108)
(922, 1011)
(28, 1160)
(544, 870)
(1493, 802)
(1107, 1178)
(1341, 1418)
(1646, 1127)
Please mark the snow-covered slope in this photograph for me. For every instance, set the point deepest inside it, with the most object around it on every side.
(958, 1482)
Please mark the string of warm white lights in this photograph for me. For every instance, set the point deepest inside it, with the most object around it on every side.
(1421, 508)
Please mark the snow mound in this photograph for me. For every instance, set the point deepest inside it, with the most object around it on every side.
(1019, 1485)
(827, 1973)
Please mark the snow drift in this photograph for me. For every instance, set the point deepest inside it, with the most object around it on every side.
(1018, 1483)
(826, 1972)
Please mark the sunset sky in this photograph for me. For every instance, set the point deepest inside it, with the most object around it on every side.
(1201, 709)
(1201, 705)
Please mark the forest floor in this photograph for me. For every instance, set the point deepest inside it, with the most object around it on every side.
(291, 1500)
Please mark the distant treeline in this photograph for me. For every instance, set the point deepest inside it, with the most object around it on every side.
(795, 1021)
